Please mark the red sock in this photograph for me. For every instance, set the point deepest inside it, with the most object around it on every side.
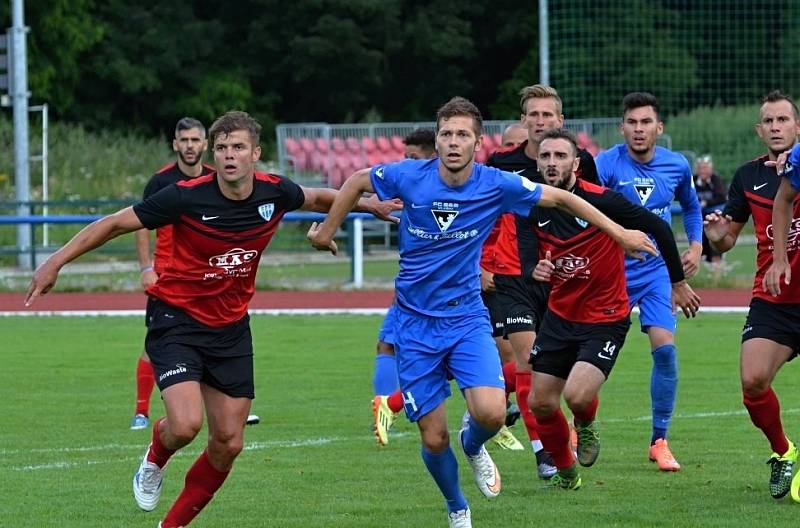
(589, 413)
(523, 383)
(158, 454)
(145, 379)
(510, 375)
(202, 481)
(554, 432)
(395, 401)
(765, 413)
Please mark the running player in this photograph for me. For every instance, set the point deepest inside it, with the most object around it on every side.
(450, 206)
(770, 337)
(654, 177)
(189, 144)
(198, 339)
(587, 315)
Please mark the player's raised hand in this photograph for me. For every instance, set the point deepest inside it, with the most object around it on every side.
(716, 225)
(635, 243)
(684, 297)
(772, 279)
(383, 209)
(544, 269)
(44, 278)
(780, 162)
(318, 241)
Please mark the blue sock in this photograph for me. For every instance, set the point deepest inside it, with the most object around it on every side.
(444, 470)
(474, 437)
(663, 388)
(384, 381)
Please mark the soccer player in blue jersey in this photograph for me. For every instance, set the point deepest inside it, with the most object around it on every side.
(654, 177)
(450, 206)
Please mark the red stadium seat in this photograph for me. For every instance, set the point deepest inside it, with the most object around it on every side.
(482, 155)
(307, 145)
(369, 144)
(397, 144)
(322, 146)
(488, 144)
(338, 146)
(296, 154)
(498, 140)
(384, 145)
(353, 145)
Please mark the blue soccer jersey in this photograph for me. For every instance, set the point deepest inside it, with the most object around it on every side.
(789, 171)
(442, 229)
(654, 185)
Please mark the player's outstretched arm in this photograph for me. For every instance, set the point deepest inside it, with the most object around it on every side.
(320, 200)
(90, 237)
(321, 235)
(632, 241)
(781, 218)
(722, 232)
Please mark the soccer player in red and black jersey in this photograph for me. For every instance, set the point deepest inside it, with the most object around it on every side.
(199, 338)
(588, 312)
(770, 337)
(518, 303)
(189, 144)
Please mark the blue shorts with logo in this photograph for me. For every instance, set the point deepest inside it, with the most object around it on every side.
(653, 295)
(386, 333)
(431, 348)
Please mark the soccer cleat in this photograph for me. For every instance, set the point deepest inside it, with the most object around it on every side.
(588, 443)
(252, 419)
(147, 484)
(139, 421)
(459, 519)
(780, 479)
(660, 453)
(512, 414)
(383, 418)
(487, 477)
(545, 465)
(566, 479)
(505, 439)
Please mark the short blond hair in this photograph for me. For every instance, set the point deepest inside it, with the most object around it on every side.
(539, 91)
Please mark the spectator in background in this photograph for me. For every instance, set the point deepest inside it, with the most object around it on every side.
(711, 191)
(420, 144)
(513, 136)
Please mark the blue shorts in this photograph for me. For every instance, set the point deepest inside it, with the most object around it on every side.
(654, 297)
(430, 348)
(386, 333)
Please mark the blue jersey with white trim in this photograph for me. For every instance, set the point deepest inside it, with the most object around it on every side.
(792, 162)
(442, 229)
(654, 185)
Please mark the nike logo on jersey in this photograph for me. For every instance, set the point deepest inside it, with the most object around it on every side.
(542, 224)
(518, 172)
(415, 206)
(757, 187)
(206, 218)
(625, 182)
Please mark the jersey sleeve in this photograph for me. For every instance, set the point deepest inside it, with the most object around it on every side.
(790, 171)
(690, 205)
(632, 216)
(519, 193)
(737, 206)
(527, 244)
(161, 208)
(153, 186)
(384, 181)
(605, 172)
(295, 197)
(587, 167)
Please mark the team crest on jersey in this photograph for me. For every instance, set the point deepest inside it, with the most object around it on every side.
(234, 258)
(787, 168)
(266, 211)
(444, 218)
(644, 190)
(379, 172)
(581, 222)
(571, 263)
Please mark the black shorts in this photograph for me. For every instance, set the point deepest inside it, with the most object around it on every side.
(523, 302)
(183, 349)
(560, 344)
(148, 310)
(777, 322)
(495, 315)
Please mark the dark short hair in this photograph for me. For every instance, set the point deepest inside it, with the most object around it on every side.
(560, 133)
(236, 120)
(459, 106)
(425, 138)
(188, 123)
(639, 99)
(776, 95)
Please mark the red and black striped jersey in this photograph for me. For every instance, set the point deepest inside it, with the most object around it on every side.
(217, 242)
(588, 283)
(500, 253)
(752, 192)
(166, 175)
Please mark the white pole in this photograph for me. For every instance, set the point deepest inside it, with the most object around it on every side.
(45, 178)
(544, 45)
(358, 253)
(19, 99)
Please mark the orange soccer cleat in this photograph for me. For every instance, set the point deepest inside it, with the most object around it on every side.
(660, 453)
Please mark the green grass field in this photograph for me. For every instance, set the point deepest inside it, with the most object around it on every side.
(67, 456)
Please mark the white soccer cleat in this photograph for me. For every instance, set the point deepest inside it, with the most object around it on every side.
(487, 477)
(460, 519)
(147, 484)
